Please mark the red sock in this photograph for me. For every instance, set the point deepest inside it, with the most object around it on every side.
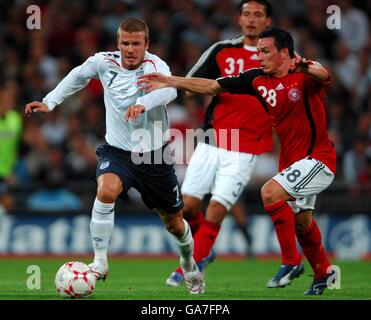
(204, 240)
(284, 223)
(311, 242)
(196, 221)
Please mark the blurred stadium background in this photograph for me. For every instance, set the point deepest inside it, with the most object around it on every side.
(47, 163)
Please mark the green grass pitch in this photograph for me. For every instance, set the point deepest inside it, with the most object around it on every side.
(143, 279)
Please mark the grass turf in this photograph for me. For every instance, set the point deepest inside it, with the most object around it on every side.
(143, 279)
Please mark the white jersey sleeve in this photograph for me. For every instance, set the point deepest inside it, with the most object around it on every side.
(161, 96)
(76, 80)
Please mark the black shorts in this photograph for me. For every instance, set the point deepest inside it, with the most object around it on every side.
(157, 183)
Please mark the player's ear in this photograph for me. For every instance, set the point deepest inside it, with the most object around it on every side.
(285, 53)
(268, 22)
(238, 20)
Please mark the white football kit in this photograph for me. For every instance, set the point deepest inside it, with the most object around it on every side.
(303, 180)
(218, 171)
(121, 90)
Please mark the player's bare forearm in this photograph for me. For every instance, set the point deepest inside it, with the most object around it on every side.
(153, 81)
(196, 85)
(318, 72)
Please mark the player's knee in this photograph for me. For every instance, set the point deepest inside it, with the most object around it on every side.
(175, 228)
(266, 194)
(191, 206)
(107, 194)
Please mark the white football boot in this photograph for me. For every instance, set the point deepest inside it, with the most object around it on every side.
(100, 270)
(194, 281)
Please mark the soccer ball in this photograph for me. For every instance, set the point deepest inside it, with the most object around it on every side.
(74, 280)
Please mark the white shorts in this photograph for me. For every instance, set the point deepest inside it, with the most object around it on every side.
(303, 180)
(218, 171)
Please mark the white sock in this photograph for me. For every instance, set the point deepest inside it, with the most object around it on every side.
(185, 249)
(101, 226)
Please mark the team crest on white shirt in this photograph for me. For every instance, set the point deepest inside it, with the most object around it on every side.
(294, 94)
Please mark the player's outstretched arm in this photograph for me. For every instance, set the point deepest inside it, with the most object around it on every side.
(312, 68)
(36, 106)
(156, 80)
(76, 80)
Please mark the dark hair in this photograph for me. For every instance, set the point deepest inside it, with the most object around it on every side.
(265, 3)
(134, 25)
(282, 39)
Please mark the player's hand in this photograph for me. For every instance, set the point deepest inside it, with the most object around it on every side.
(134, 112)
(152, 81)
(36, 106)
(300, 64)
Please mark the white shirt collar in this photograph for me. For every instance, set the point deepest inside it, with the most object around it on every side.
(250, 48)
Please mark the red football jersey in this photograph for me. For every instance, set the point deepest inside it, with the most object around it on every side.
(230, 111)
(296, 104)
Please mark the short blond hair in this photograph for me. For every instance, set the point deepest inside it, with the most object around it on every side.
(134, 25)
